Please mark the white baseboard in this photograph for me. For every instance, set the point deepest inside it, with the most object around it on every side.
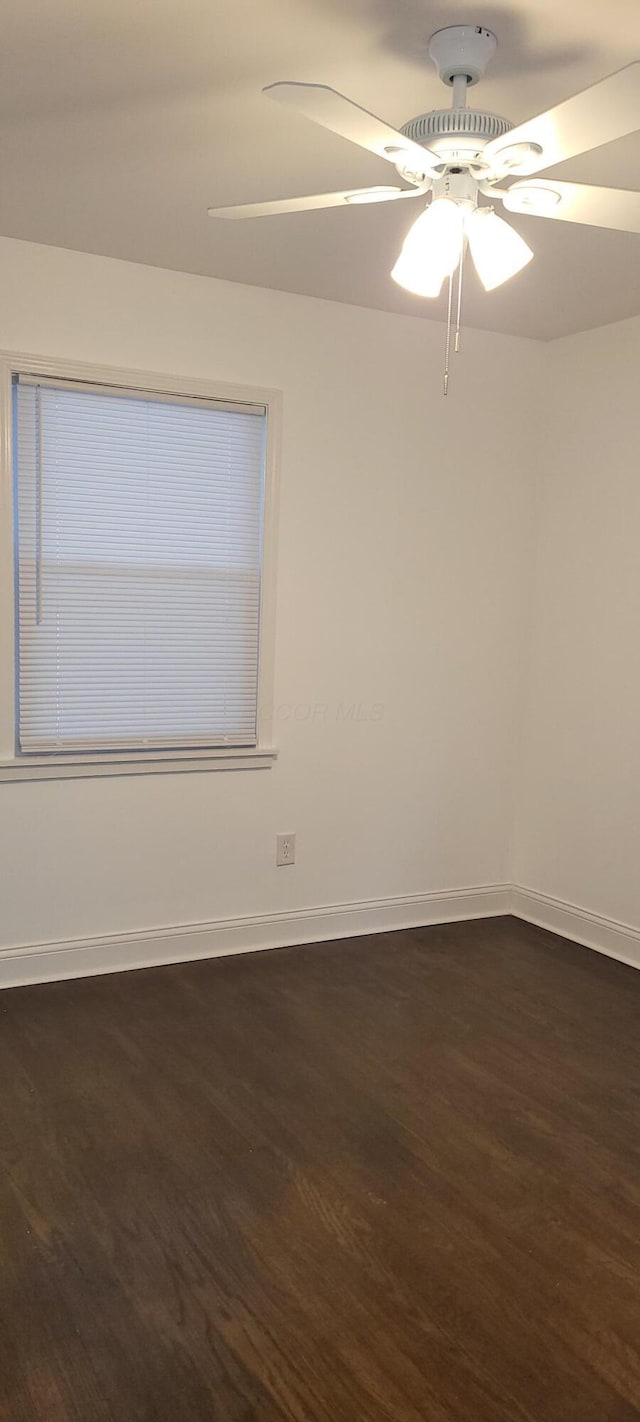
(119, 952)
(178, 943)
(592, 930)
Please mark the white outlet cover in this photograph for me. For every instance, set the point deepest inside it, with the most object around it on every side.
(285, 850)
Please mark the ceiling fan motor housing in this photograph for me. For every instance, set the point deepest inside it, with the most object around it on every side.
(458, 136)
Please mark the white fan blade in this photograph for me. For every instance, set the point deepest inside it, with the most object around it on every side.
(333, 111)
(306, 204)
(576, 202)
(606, 111)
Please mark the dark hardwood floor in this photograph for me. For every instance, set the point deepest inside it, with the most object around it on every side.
(386, 1178)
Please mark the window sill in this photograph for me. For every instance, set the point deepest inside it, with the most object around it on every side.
(70, 767)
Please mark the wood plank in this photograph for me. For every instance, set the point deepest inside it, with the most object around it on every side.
(388, 1179)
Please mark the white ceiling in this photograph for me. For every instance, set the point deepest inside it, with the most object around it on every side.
(123, 120)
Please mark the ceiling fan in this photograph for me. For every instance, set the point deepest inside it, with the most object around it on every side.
(456, 157)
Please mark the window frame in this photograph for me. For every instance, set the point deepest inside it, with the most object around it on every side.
(61, 765)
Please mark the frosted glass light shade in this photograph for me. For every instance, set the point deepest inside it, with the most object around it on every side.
(498, 251)
(431, 248)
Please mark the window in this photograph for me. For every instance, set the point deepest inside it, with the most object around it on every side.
(140, 552)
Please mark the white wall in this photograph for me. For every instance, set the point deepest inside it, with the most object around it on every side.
(578, 823)
(405, 526)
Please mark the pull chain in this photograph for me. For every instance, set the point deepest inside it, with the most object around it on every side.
(448, 342)
(456, 344)
(460, 270)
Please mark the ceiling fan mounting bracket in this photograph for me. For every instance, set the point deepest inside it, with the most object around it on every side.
(462, 52)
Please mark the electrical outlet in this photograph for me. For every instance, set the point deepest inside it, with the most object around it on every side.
(285, 849)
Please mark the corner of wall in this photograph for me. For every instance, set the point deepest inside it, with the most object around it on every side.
(577, 770)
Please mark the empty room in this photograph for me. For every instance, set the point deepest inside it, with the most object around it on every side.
(320, 711)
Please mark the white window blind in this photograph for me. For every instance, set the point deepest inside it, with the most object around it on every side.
(139, 533)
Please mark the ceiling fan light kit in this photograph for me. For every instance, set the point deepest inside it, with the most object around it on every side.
(498, 251)
(455, 157)
(431, 248)
(435, 245)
